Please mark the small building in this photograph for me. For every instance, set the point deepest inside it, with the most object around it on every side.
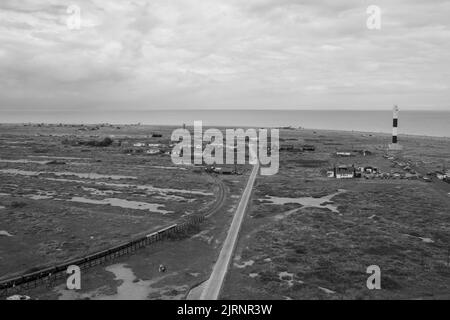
(359, 172)
(345, 172)
(224, 170)
(127, 150)
(139, 144)
(440, 175)
(344, 153)
(153, 151)
(286, 147)
(385, 175)
(370, 169)
(308, 147)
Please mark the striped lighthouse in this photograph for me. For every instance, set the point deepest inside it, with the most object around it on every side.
(395, 125)
(394, 145)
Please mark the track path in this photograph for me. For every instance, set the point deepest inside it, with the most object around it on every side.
(213, 286)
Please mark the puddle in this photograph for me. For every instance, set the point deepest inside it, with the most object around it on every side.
(98, 192)
(253, 275)
(174, 198)
(115, 202)
(19, 172)
(22, 161)
(130, 288)
(167, 168)
(43, 162)
(2, 207)
(17, 142)
(426, 240)
(244, 264)
(92, 175)
(63, 158)
(163, 191)
(307, 202)
(41, 195)
(66, 173)
(5, 233)
(168, 190)
(327, 290)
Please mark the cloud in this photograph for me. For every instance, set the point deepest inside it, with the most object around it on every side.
(224, 54)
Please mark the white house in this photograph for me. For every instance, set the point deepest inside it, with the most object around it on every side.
(345, 172)
(152, 151)
(344, 154)
(440, 175)
(139, 144)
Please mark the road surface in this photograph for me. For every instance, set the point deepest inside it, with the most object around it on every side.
(213, 286)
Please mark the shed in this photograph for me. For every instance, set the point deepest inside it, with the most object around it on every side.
(308, 147)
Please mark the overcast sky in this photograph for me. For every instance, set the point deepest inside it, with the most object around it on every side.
(285, 54)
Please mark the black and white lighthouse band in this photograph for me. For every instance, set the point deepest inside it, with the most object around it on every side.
(394, 145)
(395, 125)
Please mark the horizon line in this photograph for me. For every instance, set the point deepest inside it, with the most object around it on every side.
(213, 109)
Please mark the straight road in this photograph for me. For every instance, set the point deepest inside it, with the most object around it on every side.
(213, 286)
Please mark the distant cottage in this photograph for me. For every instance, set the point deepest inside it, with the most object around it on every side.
(344, 172)
(308, 147)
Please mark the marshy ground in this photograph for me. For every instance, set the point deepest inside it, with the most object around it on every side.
(310, 237)
(305, 236)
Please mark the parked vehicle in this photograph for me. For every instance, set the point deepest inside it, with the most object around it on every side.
(18, 297)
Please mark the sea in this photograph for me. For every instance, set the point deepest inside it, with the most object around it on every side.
(428, 123)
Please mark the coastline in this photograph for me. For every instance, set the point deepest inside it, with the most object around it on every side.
(373, 133)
